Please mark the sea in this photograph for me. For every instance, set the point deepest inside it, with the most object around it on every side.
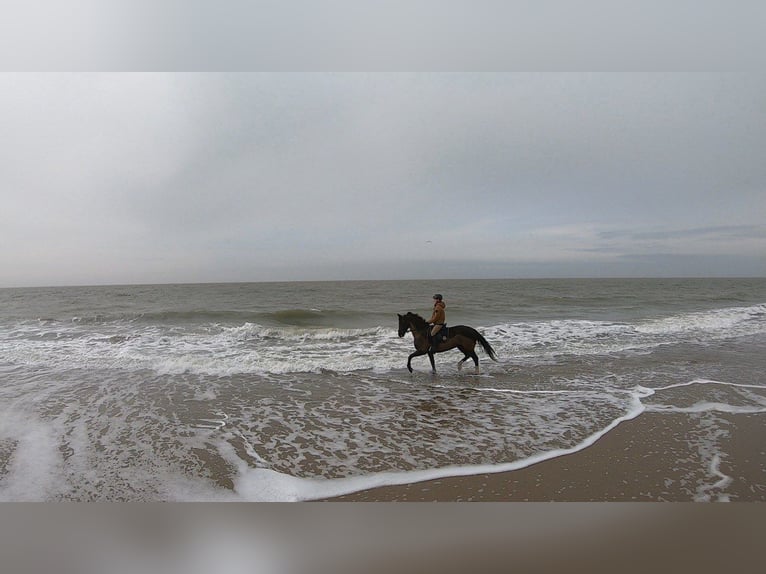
(300, 391)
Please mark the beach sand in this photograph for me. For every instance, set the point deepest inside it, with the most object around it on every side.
(651, 458)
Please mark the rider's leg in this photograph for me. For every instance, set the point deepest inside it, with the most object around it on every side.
(434, 330)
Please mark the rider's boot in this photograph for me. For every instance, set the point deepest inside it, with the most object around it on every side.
(432, 344)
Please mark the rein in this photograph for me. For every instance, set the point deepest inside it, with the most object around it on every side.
(416, 325)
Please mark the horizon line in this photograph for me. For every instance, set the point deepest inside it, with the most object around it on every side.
(360, 280)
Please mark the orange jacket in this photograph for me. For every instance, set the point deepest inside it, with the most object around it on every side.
(439, 317)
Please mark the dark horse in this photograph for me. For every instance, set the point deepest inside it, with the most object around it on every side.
(460, 336)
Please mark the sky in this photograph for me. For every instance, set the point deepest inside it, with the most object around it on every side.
(161, 178)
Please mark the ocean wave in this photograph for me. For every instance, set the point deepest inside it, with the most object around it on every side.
(169, 317)
(220, 348)
(254, 331)
(585, 337)
(713, 322)
(297, 317)
(210, 349)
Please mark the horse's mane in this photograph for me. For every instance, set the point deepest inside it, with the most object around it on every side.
(417, 319)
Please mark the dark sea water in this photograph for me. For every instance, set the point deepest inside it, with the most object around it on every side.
(298, 391)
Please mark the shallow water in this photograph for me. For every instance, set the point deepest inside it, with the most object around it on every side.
(300, 390)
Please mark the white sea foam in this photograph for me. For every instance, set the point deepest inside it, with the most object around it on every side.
(753, 403)
(33, 472)
(723, 482)
(180, 405)
(708, 406)
(716, 322)
(262, 484)
(98, 452)
(211, 350)
(219, 350)
(586, 337)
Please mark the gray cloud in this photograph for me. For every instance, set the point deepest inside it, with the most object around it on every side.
(428, 34)
(209, 177)
(715, 232)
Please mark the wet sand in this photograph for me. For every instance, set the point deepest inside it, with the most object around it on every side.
(647, 459)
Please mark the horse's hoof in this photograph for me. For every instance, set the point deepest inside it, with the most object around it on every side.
(409, 368)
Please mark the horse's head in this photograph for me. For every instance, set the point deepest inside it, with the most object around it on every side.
(403, 325)
(411, 321)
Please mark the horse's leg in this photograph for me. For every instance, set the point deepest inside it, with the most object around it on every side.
(413, 355)
(464, 359)
(431, 358)
(469, 351)
(475, 358)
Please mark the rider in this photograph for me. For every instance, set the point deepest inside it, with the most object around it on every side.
(438, 319)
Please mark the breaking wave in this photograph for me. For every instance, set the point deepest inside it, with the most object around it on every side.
(217, 347)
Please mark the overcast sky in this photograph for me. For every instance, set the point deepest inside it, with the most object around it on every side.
(147, 178)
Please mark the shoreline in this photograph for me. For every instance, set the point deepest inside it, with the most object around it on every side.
(644, 459)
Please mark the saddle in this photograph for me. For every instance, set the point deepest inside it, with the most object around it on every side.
(441, 336)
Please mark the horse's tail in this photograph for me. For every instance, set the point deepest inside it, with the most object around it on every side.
(486, 346)
(476, 336)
